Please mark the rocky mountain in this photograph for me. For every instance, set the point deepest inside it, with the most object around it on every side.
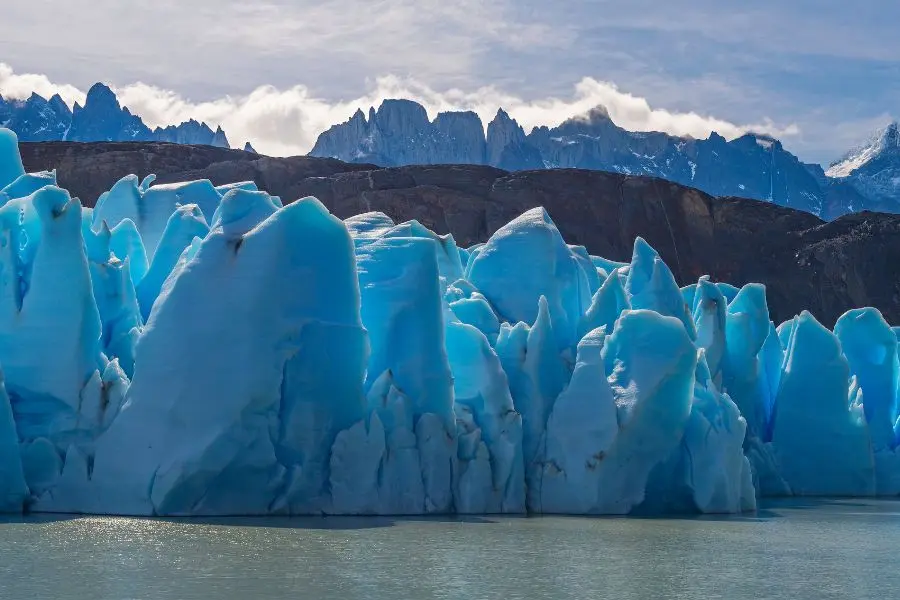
(400, 133)
(873, 171)
(826, 267)
(37, 118)
(101, 118)
(752, 166)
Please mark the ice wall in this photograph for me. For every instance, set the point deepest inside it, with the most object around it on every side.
(185, 349)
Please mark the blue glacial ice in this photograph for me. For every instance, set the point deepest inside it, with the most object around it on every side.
(187, 349)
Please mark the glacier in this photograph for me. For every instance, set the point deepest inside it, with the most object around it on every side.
(196, 350)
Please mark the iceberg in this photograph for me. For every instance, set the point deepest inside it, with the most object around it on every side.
(184, 349)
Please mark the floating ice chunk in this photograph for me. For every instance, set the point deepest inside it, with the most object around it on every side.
(814, 426)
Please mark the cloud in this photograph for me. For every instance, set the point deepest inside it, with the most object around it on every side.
(14, 85)
(287, 121)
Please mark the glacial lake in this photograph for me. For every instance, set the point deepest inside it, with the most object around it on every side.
(792, 550)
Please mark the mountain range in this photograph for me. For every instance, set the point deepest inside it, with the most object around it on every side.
(101, 119)
(752, 166)
(400, 133)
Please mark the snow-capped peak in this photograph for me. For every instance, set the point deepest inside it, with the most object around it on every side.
(856, 158)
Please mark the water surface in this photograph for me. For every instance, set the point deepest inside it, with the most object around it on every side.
(798, 551)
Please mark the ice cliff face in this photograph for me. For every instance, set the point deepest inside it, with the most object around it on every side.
(186, 349)
(101, 119)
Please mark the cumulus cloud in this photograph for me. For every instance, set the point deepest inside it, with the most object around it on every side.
(14, 85)
(283, 122)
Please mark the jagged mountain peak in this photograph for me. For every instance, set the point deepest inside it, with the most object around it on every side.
(100, 93)
(754, 166)
(359, 116)
(502, 116)
(58, 103)
(884, 140)
(595, 122)
(401, 106)
(101, 118)
(763, 140)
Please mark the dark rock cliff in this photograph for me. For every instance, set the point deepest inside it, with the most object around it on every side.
(805, 262)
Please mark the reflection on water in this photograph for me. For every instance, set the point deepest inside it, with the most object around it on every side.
(793, 550)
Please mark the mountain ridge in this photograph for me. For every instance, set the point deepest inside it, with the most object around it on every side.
(752, 165)
(400, 133)
(101, 119)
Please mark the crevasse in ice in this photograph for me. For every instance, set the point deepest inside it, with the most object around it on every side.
(187, 349)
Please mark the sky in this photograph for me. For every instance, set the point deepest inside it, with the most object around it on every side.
(821, 75)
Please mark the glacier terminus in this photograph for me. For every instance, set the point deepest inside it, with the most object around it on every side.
(187, 349)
